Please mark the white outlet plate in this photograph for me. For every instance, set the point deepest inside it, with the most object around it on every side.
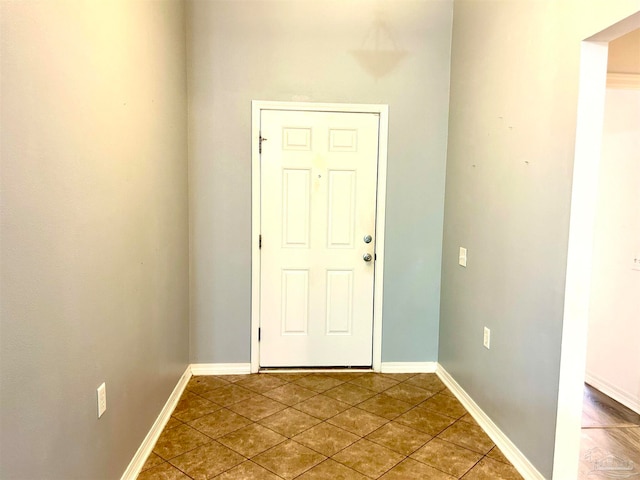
(462, 257)
(102, 399)
(487, 338)
(635, 264)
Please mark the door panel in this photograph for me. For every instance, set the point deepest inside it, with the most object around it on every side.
(318, 202)
(341, 210)
(295, 302)
(339, 302)
(296, 202)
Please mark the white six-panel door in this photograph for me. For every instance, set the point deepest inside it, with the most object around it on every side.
(318, 204)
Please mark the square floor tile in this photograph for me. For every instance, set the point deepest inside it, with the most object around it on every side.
(384, 406)
(173, 422)
(398, 377)
(349, 393)
(414, 470)
(220, 423)
(206, 461)
(331, 470)
(233, 378)
(347, 376)
(164, 471)
(445, 405)
(468, 436)
(368, 458)
(374, 381)
(428, 381)
(447, 457)
(289, 377)
(261, 383)
(489, 469)
(399, 438)
(446, 391)
(257, 408)
(322, 407)
(178, 440)
(425, 420)
(153, 460)
(204, 383)
(251, 440)
(247, 471)
(290, 394)
(289, 422)
(318, 383)
(229, 395)
(192, 406)
(326, 439)
(496, 454)
(409, 393)
(469, 419)
(289, 459)
(358, 421)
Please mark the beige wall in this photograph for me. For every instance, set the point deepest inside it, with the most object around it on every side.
(94, 233)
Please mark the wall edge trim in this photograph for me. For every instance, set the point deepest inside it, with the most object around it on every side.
(220, 368)
(513, 454)
(619, 395)
(408, 367)
(623, 80)
(145, 449)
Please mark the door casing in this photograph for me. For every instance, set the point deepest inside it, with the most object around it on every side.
(383, 111)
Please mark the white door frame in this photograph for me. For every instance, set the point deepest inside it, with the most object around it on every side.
(383, 111)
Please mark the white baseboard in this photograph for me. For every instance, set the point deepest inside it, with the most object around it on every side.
(220, 368)
(408, 367)
(515, 456)
(145, 449)
(619, 395)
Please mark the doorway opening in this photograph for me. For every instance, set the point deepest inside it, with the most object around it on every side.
(589, 134)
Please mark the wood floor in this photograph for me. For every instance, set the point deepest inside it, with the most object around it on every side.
(610, 445)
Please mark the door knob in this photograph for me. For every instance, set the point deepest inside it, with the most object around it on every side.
(367, 257)
(367, 239)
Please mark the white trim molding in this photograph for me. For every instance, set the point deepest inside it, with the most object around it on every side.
(513, 454)
(145, 449)
(383, 134)
(220, 368)
(408, 367)
(621, 396)
(627, 81)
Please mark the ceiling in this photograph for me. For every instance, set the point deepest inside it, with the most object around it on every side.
(624, 54)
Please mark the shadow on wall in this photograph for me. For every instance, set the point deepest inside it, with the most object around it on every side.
(379, 53)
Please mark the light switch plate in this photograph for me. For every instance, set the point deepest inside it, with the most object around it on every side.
(487, 338)
(462, 257)
(102, 399)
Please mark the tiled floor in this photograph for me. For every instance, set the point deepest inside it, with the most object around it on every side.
(610, 446)
(316, 426)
